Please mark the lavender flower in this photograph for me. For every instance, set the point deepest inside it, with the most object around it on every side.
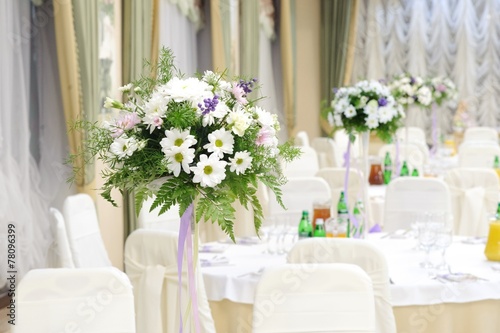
(210, 105)
(247, 86)
(412, 80)
(382, 101)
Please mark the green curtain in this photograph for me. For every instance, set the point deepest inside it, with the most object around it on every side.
(249, 37)
(86, 20)
(335, 22)
(139, 39)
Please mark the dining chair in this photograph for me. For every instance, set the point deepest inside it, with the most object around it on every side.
(75, 300)
(299, 194)
(170, 220)
(59, 255)
(314, 298)
(302, 139)
(341, 138)
(84, 235)
(415, 135)
(474, 196)
(405, 197)
(335, 177)
(328, 152)
(151, 265)
(481, 134)
(305, 165)
(355, 252)
(416, 156)
(475, 154)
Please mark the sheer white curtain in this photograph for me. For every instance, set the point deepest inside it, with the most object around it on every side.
(178, 32)
(454, 38)
(21, 201)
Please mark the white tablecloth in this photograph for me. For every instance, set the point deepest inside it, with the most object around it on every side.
(235, 279)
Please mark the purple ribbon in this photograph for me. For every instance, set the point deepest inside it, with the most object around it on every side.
(397, 162)
(186, 237)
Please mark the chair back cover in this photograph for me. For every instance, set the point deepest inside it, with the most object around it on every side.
(341, 138)
(59, 252)
(304, 166)
(474, 195)
(84, 235)
(481, 134)
(335, 178)
(415, 135)
(407, 196)
(151, 264)
(328, 153)
(314, 298)
(170, 220)
(356, 252)
(416, 156)
(474, 154)
(85, 300)
(299, 194)
(301, 139)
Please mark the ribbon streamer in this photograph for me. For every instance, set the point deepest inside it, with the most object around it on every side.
(434, 131)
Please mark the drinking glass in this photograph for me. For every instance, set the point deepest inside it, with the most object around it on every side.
(443, 241)
(428, 225)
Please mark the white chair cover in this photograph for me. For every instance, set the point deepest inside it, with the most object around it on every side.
(301, 139)
(314, 298)
(335, 178)
(170, 220)
(59, 252)
(415, 135)
(341, 138)
(86, 300)
(474, 194)
(328, 153)
(357, 252)
(481, 134)
(299, 194)
(304, 166)
(407, 196)
(474, 154)
(151, 264)
(417, 156)
(84, 235)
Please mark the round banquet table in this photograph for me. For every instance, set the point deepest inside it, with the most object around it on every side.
(420, 303)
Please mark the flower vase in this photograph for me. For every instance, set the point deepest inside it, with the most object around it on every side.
(365, 168)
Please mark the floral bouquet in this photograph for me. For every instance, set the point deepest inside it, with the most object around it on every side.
(408, 90)
(443, 89)
(366, 106)
(200, 136)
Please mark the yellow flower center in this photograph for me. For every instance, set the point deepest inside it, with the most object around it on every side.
(124, 147)
(239, 161)
(218, 143)
(208, 170)
(178, 157)
(178, 142)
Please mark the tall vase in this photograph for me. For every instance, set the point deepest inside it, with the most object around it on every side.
(365, 167)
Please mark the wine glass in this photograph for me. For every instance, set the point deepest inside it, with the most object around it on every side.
(444, 238)
(428, 225)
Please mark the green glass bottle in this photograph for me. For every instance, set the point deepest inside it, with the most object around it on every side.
(497, 214)
(342, 217)
(414, 173)
(357, 214)
(405, 171)
(305, 227)
(496, 162)
(387, 168)
(320, 228)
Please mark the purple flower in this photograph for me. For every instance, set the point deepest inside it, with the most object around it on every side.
(382, 101)
(247, 86)
(335, 90)
(209, 105)
(412, 80)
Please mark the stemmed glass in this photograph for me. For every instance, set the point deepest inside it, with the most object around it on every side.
(428, 225)
(443, 241)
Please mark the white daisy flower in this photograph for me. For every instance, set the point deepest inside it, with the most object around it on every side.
(239, 120)
(208, 119)
(124, 146)
(263, 117)
(111, 103)
(179, 157)
(126, 88)
(190, 89)
(371, 107)
(385, 114)
(209, 171)
(220, 142)
(362, 101)
(371, 122)
(177, 138)
(338, 120)
(240, 162)
(350, 111)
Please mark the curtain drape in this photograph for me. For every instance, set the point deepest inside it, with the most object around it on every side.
(22, 204)
(336, 46)
(288, 61)
(250, 29)
(225, 36)
(140, 42)
(457, 39)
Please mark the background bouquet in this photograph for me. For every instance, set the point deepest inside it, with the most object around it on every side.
(408, 90)
(443, 89)
(366, 106)
(201, 137)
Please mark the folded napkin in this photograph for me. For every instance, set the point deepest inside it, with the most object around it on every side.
(215, 261)
(213, 248)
